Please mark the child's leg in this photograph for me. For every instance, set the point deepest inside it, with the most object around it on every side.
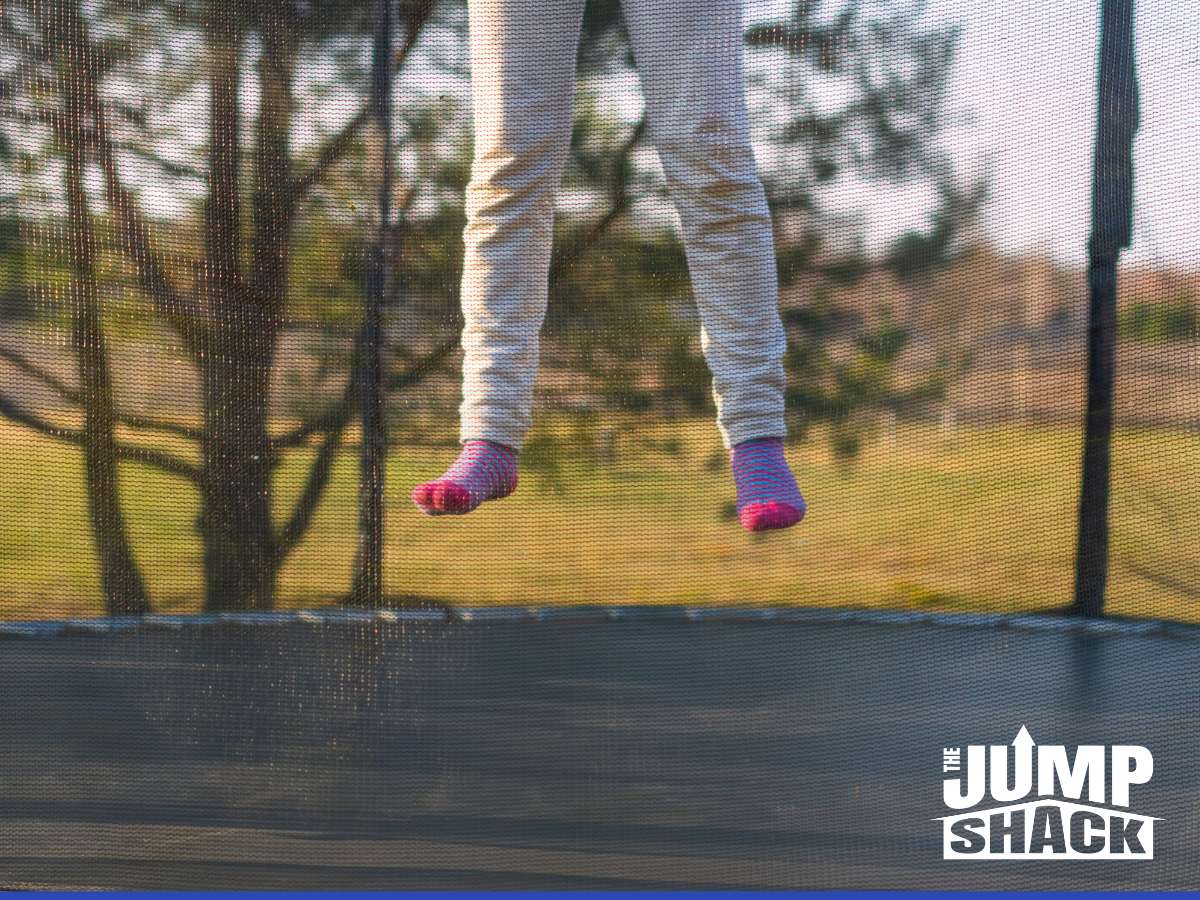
(522, 80)
(690, 59)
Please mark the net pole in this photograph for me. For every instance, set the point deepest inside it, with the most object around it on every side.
(1112, 227)
(368, 586)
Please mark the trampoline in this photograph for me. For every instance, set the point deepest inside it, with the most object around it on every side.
(575, 748)
(238, 259)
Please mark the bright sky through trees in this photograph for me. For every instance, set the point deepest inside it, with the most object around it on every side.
(1025, 87)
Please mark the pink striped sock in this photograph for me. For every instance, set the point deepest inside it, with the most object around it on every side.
(767, 496)
(483, 471)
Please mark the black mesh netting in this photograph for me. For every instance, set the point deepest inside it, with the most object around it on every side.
(264, 266)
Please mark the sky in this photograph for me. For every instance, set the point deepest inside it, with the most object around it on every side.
(1025, 82)
(1027, 71)
(1024, 86)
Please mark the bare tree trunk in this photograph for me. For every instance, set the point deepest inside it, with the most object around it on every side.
(240, 564)
(240, 559)
(243, 552)
(120, 580)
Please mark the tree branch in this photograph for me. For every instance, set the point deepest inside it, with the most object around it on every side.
(618, 204)
(174, 169)
(24, 364)
(149, 456)
(329, 155)
(334, 423)
(65, 28)
(337, 416)
(176, 310)
(419, 371)
(1163, 580)
(342, 411)
(222, 207)
(340, 143)
(38, 116)
(271, 201)
(314, 487)
(72, 395)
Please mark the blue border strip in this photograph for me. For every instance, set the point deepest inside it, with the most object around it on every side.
(338, 616)
(627, 895)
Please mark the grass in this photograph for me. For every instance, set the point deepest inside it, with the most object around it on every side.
(969, 519)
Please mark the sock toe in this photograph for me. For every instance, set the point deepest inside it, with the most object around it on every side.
(449, 497)
(770, 516)
(422, 496)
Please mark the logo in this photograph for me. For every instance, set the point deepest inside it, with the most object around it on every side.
(1030, 801)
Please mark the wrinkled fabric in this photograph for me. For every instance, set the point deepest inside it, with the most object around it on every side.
(690, 60)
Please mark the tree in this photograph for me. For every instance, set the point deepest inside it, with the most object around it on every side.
(221, 282)
(844, 93)
(228, 320)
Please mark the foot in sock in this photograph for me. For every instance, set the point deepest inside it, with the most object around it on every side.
(483, 471)
(767, 496)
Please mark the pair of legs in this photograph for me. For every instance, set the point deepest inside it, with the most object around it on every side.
(689, 58)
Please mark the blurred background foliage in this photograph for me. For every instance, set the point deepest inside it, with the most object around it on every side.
(186, 315)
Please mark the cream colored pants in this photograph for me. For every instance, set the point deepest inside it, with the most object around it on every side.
(690, 59)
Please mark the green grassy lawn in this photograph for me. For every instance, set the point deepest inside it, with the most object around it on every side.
(971, 519)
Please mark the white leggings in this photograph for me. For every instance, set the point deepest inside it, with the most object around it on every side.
(690, 59)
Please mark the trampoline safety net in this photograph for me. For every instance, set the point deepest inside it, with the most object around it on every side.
(570, 443)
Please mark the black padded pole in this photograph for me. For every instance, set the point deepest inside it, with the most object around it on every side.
(368, 579)
(1112, 225)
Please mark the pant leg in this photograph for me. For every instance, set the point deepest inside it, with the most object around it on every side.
(522, 83)
(689, 56)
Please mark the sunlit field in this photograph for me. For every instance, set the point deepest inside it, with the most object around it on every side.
(962, 519)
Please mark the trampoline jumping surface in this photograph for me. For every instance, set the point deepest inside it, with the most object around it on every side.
(567, 753)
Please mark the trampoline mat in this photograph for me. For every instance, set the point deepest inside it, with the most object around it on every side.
(576, 753)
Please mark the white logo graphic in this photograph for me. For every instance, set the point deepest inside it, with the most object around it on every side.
(1025, 801)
